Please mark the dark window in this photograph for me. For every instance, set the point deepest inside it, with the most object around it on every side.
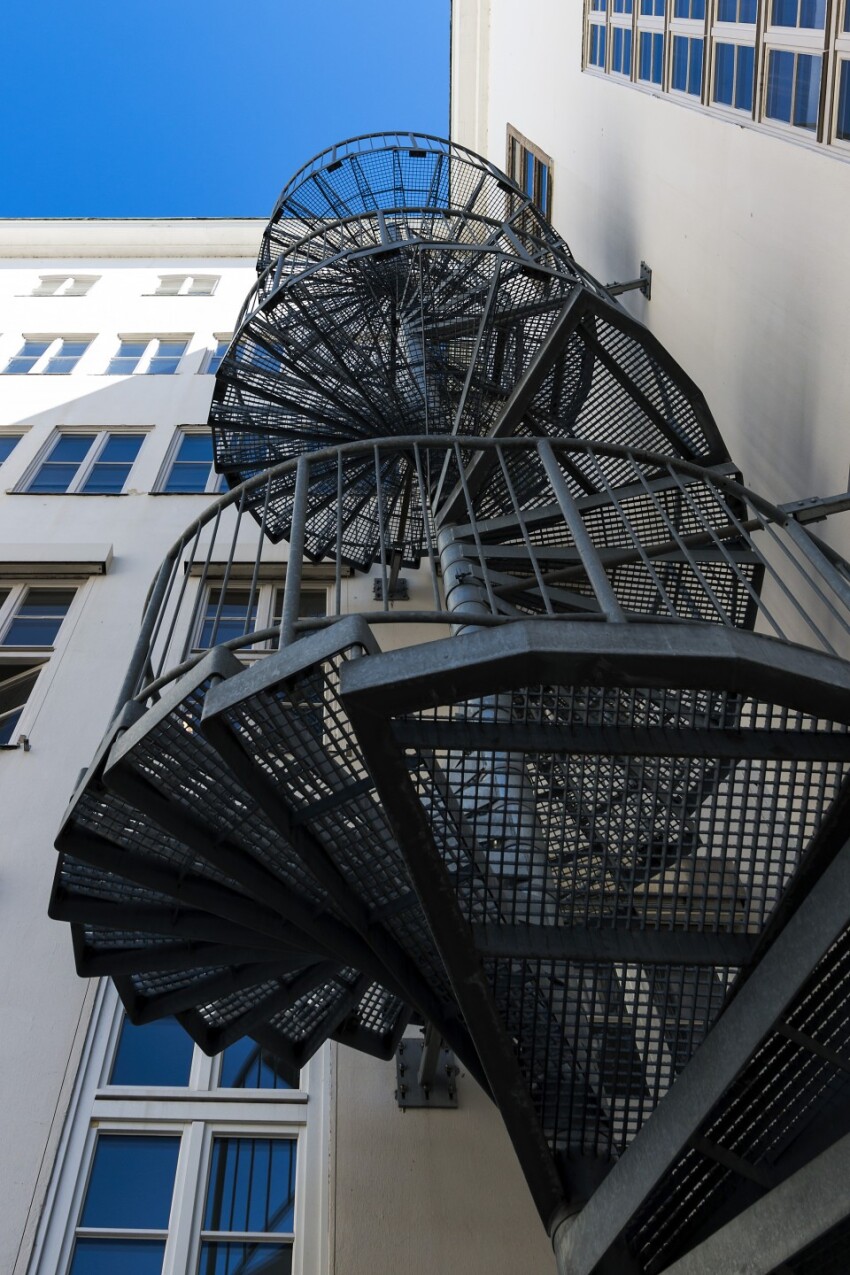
(227, 616)
(38, 617)
(192, 465)
(842, 128)
(651, 56)
(687, 65)
(793, 88)
(251, 1189)
(16, 682)
(159, 1053)
(245, 1065)
(621, 50)
(734, 68)
(596, 55)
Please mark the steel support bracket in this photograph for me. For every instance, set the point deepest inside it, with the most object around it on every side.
(435, 1065)
(642, 284)
(390, 591)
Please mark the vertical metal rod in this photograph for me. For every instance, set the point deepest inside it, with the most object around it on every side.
(130, 685)
(590, 559)
(297, 538)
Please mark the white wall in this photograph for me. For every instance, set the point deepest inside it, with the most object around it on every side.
(419, 1191)
(746, 234)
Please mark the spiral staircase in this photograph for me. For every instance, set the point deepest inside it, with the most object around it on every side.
(578, 799)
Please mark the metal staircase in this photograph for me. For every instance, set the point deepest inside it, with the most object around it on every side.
(564, 802)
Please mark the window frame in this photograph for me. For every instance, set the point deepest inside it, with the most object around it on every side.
(186, 285)
(41, 659)
(265, 603)
(149, 354)
(60, 290)
(214, 360)
(830, 43)
(214, 481)
(198, 1112)
(55, 345)
(517, 144)
(101, 437)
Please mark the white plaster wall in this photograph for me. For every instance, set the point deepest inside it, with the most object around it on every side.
(425, 1191)
(746, 234)
(43, 1005)
(419, 1192)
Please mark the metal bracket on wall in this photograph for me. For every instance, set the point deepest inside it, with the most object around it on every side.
(395, 590)
(642, 284)
(426, 1072)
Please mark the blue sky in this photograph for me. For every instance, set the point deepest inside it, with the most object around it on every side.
(152, 108)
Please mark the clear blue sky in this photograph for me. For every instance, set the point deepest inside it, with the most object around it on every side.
(150, 108)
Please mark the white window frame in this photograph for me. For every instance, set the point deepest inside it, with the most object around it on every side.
(198, 1112)
(186, 284)
(265, 600)
(152, 344)
(214, 479)
(53, 349)
(63, 285)
(36, 656)
(102, 436)
(220, 339)
(831, 43)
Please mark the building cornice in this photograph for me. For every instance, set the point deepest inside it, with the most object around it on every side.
(130, 237)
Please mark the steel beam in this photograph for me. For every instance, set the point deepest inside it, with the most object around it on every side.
(583, 1240)
(780, 1225)
(643, 947)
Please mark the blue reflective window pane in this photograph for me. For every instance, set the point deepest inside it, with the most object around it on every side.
(747, 10)
(251, 1185)
(544, 186)
(843, 123)
(106, 480)
(724, 73)
(680, 62)
(196, 447)
(234, 619)
(245, 1065)
(26, 358)
(117, 1257)
(784, 13)
(125, 361)
(120, 447)
(597, 46)
(53, 478)
(131, 1183)
(807, 91)
(160, 1053)
(187, 478)
(245, 1259)
(745, 78)
(780, 82)
(695, 68)
(39, 618)
(72, 447)
(7, 445)
(812, 13)
(847, 15)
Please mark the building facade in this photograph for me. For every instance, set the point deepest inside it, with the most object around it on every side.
(111, 334)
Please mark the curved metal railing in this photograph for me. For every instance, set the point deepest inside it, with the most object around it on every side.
(667, 541)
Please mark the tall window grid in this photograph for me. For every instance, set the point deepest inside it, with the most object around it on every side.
(530, 168)
(47, 355)
(93, 463)
(782, 65)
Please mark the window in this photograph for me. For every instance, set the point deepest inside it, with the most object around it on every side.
(189, 467)
(531, 169)
(7, 445)
(186, 285)
(32, 617)
(651, 57)
(216, 355)
(237, 612)
(798, 13)
(792, 94)
(51, 356)
(30, 620)
(156, 356)
(250, 1194)
(64, 285)
(91, 464)
(734, 69)
(179, 1181)
(687, 65)
(778, 65)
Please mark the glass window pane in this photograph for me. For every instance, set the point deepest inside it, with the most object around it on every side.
(680, 62)
(784, 13)
(53, 478)
(251, 1185)
(245, 1259)
(187, 478)
(8, 722)
(121, 447)
(807, 91)
(745, 77)
(117, 1257)
(26, 358)
(233, 618)
(843, 124)
(246, 1065)
(780, 82)
(812, 13)
(724, 73)
(131, 1183)
(847, 15)
(7, 444)
(72, 447)
(695, 68)
(39, 617)
(160, 1053)
(196, 447)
